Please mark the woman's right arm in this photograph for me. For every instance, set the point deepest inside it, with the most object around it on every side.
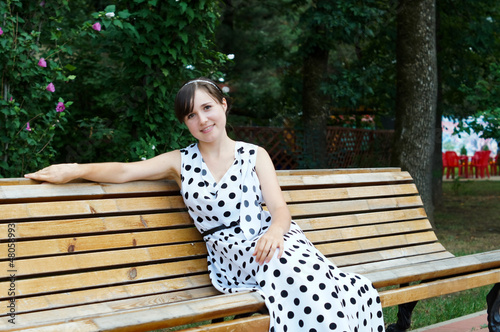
(166, 165)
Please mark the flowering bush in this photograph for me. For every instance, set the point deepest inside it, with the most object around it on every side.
(31, 68)
(120, 66)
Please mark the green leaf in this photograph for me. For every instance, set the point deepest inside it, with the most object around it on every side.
(70, 67)
(184, 37)
(110, 8)
(146, 60)
(118, 23)
(173, 52)
(124, 14)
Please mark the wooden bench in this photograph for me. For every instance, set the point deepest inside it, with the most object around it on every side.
(109, 257)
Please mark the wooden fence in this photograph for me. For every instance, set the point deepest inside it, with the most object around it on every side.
(347, 147)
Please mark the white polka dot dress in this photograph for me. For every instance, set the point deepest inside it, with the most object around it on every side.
(303, 290)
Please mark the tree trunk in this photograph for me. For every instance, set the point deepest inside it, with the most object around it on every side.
(314, 106)
(416, 98)
(437, 170)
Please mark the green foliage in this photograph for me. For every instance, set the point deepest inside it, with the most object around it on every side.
(121, 77)
(29, 64)
(144, 53)
(485, 95)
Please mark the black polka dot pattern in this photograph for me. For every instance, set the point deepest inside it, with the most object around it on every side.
(303, 290)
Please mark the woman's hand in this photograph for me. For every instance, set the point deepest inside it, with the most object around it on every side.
(268, 243)
(60, 173)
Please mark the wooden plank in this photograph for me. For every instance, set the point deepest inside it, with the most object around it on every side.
(105, 278)
(51, 228)
(248, 324)
(102, 242)
(370, 261)
(341, 248)
(336, 171)
(339, 179)
(441, 268)
(438, 288)
(397, 262)
(97, 260)
(323, 208)
(113, 308)
(88, 296)
(90, 207)
(314, 195)
(360, 219)
(85, 190)
(80, 326)
(338, 234)
(181, 313)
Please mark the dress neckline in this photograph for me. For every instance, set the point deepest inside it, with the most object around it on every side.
(216, 183)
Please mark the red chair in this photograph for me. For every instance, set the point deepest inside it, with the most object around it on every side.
(452, 162)
(480, 163)
(445, 161)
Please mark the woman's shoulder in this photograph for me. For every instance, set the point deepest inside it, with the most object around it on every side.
(189, 149)
(251, 148)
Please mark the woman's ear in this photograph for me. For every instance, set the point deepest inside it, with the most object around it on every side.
(224, 104)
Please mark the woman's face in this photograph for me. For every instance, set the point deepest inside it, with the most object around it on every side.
(207, 121)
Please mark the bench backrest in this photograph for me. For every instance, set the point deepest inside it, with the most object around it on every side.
(90, 243)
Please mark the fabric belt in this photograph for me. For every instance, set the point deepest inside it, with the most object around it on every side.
(219, 228)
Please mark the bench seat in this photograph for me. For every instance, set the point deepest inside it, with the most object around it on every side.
(126, 257)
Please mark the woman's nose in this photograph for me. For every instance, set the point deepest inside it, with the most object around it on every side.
(202, 117)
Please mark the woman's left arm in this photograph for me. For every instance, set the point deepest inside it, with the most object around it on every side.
(272, 239)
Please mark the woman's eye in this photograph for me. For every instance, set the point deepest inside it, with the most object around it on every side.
(207, 107)
(190, 116)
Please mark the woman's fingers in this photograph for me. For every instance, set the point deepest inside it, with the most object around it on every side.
(266, 248)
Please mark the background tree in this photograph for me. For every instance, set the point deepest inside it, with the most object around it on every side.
(416, 98)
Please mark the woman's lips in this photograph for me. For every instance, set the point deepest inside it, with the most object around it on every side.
(207, 129)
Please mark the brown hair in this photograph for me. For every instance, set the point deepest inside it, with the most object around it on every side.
(185, 97)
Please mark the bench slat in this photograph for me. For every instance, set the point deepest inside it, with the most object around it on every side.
(121, 276)
(329, 235)
(105, 259)
(366, 262)
(248, 324)
(439, 287)
(360, 219)
(90, 207)
(51, 228)
(103, 242)
(343, 179)
(307, 195)
(42, 192)
(75, 298)
(386, 242)
(133, 307)
(444, 267)
(312, 209)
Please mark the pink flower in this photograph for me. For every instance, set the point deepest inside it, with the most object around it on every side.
(28, 128)
(42, 3)
(50, 87)
(1, 31)
(60, 107)
(42, 62)
(96, 26)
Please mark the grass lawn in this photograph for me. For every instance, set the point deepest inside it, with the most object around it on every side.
(467, 222)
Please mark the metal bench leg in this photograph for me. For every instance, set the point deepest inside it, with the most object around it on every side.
(493, 300)
(404, 318)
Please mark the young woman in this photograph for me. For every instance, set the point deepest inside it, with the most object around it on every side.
(224, 184)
